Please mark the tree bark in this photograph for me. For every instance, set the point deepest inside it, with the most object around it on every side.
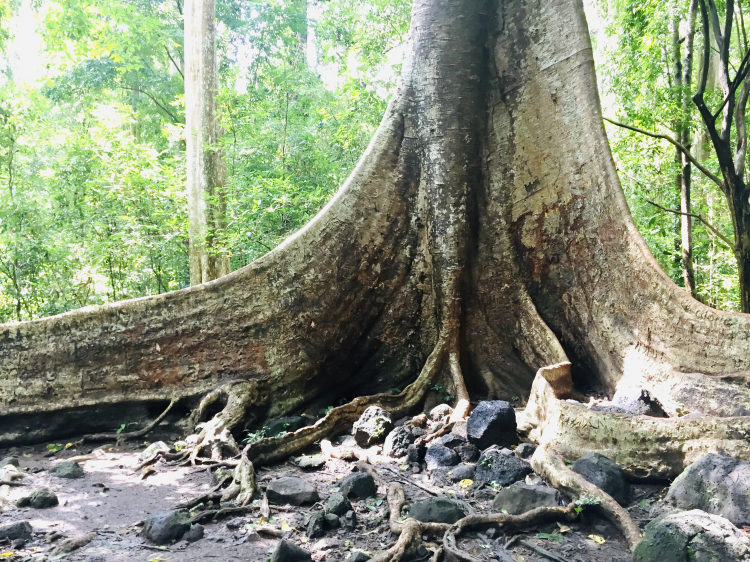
(206, 170)
(483, 235)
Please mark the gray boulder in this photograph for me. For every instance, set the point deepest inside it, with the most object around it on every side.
(439, 456)
(39, 499)
(495, 466)
(415, 453)
(397, 442)
(68, 469)
(440, 412)
(152, 449)
(332, 521)
(692, 536)
(310, 461)
(493, 422)
(605, 474)
(467, 452)
(338, 504)
(291, 490)
(316, 524)
(438, 510)
(525, 450)
(195, 533)
(715, 484)
(462, 472)
(440, 477)
(372, 426)
(349, 520)
(287, 551)
(163, 527)
(9, 460)
(359, 485)
(450, 440)
(520, 498)
(14, 531)
(358, 556)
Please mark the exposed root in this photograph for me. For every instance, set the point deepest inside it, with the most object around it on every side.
(69, 545)
(551, 466)
(214, 514)
(242, 487)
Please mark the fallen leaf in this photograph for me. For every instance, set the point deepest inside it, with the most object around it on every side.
(465, 483)
(6, 554)
(563, 528)
(597, 539)
(285, 526)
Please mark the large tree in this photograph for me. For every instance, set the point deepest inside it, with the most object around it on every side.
(482, 237)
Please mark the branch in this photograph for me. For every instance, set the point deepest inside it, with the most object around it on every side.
(679, 146)
(711, 227)
(174, 62)
(153, 99)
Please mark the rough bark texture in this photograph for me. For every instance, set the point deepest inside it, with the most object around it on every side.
(206, 170)
(483, 235)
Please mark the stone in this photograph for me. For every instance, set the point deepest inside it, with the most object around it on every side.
(440, 477)
(438, 510)
(462, 472)
(152, 449)
(520, 498)
(493, 422)
(484, 494)
(68, 469)
(349, 520)
(316, 524)
(291, 490)
(534, 480)
(358, 556)
(439, 456)
(397, 442)
(359, 485)
(692, 536)
(40, 498)
(415, 453)
(504, 470)
(467, 452)
(372, 426)
(440, 412)
(311, 461)
(163, 527)
(195, 533)
(418, 431)
(287, 551)
(338, 504)
(450, 440)
(525, 450)
(332, 521)
(282, 425)
(459, 428)
(9, 460)
(715, 484)
(605, 474)
(14, 531)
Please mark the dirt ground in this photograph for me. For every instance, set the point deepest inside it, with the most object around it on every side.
(111, 499)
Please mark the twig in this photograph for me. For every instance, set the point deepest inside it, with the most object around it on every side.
(409, 481)
(700, 218)
(677, 145)
(544, 552)
(11, 483)
(511, 542)
(153, 99)
(214, 514)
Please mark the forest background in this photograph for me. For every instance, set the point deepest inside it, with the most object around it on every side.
(92, 145)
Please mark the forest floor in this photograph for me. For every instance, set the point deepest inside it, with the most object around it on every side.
(111, 500)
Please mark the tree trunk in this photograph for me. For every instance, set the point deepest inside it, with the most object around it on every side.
(206, 170)
(483, 235)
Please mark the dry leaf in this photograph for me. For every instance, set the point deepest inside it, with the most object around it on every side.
(465, 483)
(597, 539)
(563, 528)
(265, 510)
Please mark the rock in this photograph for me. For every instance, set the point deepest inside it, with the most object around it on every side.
(438, 456)
(484, 494)
(372, 426)
(282, 425)
(315, 525)
(520, 498)
(415, 453)
(692, 536)
(68, 469)
(459, 428)
(418, 431)
(605, 474)
(525, 450)
(493, 422)
(287, 551)
(163, 527)
(715, 484)
(40, 498)
(15, 531)
(291, 490)
(195, 533)
(9, 460)
(359, 485)
(358, 556)
(440, 412)
(312, 461)
(467, 453)
(450, 440)
(494, 466)
(462, 472)
(397, 442)
(438, 510)
(152, 449)
(332, 521)
(534, 480)
(440, 477)
(349, 520)
(338, 504)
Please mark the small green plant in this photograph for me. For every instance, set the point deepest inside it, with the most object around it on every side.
(440, 389)
(486, 462)
(328, 409)
(495, 485)
(556, 537)
(253, 436)
(585, 502)
(54, 447)
(123, 427)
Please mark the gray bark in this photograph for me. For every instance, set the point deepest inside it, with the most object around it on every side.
(484, 233)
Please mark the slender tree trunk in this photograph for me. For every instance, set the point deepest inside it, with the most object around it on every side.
(206, 170)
